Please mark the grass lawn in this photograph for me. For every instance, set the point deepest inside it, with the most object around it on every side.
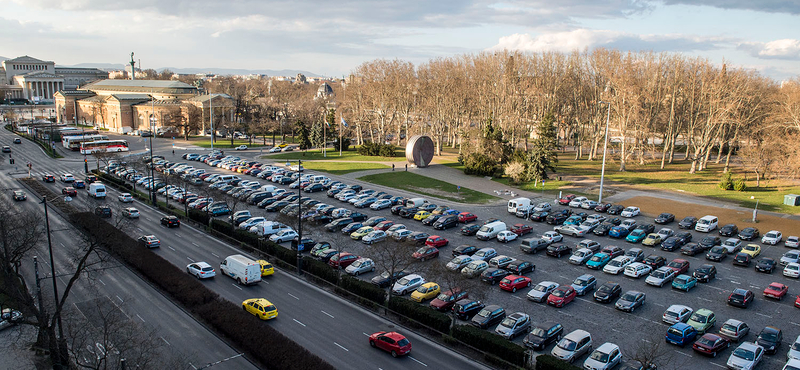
(550, 186)
(340, 168)
(333, 155)
(222, 143)
(428, 186)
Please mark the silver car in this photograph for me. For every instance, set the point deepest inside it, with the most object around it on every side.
(407, 284)
(541, 291)
(660, 277)
(573, 346)
(605, 357)
(746, 356)
(580, 256)
(513, 325)
(584, 284)
(458, 263)
(360, 266)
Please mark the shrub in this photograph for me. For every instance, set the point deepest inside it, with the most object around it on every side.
(422, 314)
(345, 144)
(739, 185)
(199, 216)
(490, 343)
(726, 183)
(319, 269)
(376, 149)
(548, 362)
(386, 150)
(479, 164)
(363, 289)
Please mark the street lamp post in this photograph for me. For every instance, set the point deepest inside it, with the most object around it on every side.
(605, 148)
(152, 136)
(299, 219)
(53, 275)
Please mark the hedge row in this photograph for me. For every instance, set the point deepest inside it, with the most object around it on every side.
(422, 314)
(364, 289)
(490, 343)
(548, 362)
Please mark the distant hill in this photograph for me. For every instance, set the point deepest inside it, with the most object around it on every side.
(214, 70)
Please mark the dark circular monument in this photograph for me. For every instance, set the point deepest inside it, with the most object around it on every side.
(419, 150)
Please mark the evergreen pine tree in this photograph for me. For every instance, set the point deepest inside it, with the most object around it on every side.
(302, 136)
(542, 156)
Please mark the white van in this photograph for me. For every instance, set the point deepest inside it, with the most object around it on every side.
(97, 190)
(513, 204)
(268, 188)
(318, 178)
(227, 178)
(490, 230)
(268, 228)
(415, 202)
(242, 269)
(706, 224)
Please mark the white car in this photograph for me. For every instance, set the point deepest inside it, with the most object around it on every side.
(552, 237)
(637, 270)
(284, 235)
(588, 204)
(395, 228)
(458, 262)
(666, 233)
(605, 357)
(506, 236)
(792, 270)
(241, 147)
(541, 291)
(790, 257)
(276, 149)
(360, 266)
(617, 265)
(589, 244)
(573, 230)
(125, 198)
(660, 277)
(792, 364)
(381, 204)
(746, 356)
(630, 212)
(792, 242)
(576, 202)
(677, 313)
(250, 222)
(374, 237)
(67, 177)
(201, 270)
(794, 350)
(772, 238)
(407, 284)
(580, 256)
(542, 207)
(130, 212)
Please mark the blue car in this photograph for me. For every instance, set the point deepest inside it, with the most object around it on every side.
(684, 282)
(618, 232)
(636, 236)
(573, 220)
(598, 261)
(680, 334)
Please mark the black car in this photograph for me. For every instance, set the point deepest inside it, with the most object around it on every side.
(710, 242)
(103, 211)
(647, 228)
(470, 230)
(742, 259)
(655, 261)
(385, 279)
(465, 309)
(430, 220)
(358, 216)
(749, 233)
(539, 216)
(664, 218)
(607, 292)
(615, 209)
(770, 338)
(17, 140)
(766, 264)
(266, 202)
(170, 221)
(729, 230)
(605, 227)
(558, 250)
(685, 236)
(705, 273)
(338, 224)
(332, 193)
(741, 298)
(313, 188)
(303, 245)
(326, 255)
(417, 237)
(396, 209)
(493, 275)
(372, 221)
(688, 222)
(446, 222)
(672, 243)
(489, 316)
(277, 206)
(559, 217)
(48, 178)
(408, 212)
(353, 226)
(602, 207)
(543, 335)
(321, 219)
(465, 249)
(717, 253)
(692, 249)
(520, 267)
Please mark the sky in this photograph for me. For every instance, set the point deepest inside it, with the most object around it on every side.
(331, 38)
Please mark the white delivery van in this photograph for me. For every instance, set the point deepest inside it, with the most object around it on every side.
(242, 269)
(97, 190)
(317, 178)
(268, 228)
(415, 202)
(269, 188)
(515, 203)
(706, 224)
(227, 178)
(490, 230)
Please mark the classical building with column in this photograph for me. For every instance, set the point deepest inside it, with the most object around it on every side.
(38, 80)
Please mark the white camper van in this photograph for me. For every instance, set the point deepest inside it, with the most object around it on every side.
(97, 190)
(415, 202)
(516, 203)
(490, 230)
(242, 269)
(268, 228)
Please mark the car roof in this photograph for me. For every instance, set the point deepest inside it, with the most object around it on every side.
(735, 322)
(681, 325)
(607, 347)
(704, 311)
(202, 264)
(677, 307)
(749, 346)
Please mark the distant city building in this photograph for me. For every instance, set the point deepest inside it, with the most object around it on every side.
(325, 91)
(38, 80)
(301, 79)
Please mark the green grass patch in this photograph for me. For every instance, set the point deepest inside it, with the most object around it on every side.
(222, 143)
(341, 168)
(333, 155)
(550, 186)
(428, 186)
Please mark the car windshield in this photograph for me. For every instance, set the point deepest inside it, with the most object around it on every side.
(605, 289)
(674, 331)
(699, 318)
(443, 297)
(560, 292)
(744, 354)
(541, 288)
(703, 222)
(629, 297)
(538, 332)
(508, 322)
(402, 342)
(774, 288)
(484, 313)
(629, 209)
(567, 345)
(658, 274)
(768, 336)
(718, 249)
(600, 356)
(772, 235)
(581, 281)
(675, 264)
(672, 314)
(616, 263)
(705, 341)
(404, 281)
(681, 280)
(796, 346)
(597, 258)
(704, 269)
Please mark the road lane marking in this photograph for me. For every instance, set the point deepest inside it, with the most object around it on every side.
(165, 341)
(293, 296)
(101, 281)
(190, 260)
(794, 323)
(237, 287)
(173, 249)
(368, 334)
(140, 318)
(195, 244)
(214, 254)
(763, 315)
(420, 362)
(340, 346)
(120, 299)
(713, 287)
(659, 304)
(62, 245)
(331, 316)
(722, 366)
(705, 299)
(178, 235)
(735, 282)
(685, 354)
(295, 320)
(516, 297)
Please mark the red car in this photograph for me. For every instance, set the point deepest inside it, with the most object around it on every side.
(436, 241)
(562, 295)
(69, 190)
(342, 260)
(566, 199)
(513, 282)
(426, 253)
(384, 225)
(392, 342)
(710, 344)
(521, 229)
(680, 266)
(446, 300)
(776, 291)
(797, 302)
(465, 217)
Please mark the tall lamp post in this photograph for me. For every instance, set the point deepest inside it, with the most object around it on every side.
(153, 136)
(605, 148)
(55, 285)
(299, 220)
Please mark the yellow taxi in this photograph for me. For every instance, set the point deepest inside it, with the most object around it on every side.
(266, 268)
(425, 292)
(261, 308)
(421, 215)
(652, 240)
(752, 249)
(361, 232)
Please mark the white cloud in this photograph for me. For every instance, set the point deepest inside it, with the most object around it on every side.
(776, 49)
(557, 41)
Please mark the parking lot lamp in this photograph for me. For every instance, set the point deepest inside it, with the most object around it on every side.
(299, 218)
(605, 148)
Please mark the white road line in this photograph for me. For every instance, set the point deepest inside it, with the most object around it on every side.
(190, 260)
(685, 354)
(659, 304)
(722, 366)
(101, 281)
(178, 235)
(195, 244)
(364, 333)
(295, 320)
(237, 287)
(214, 254)
(62, 245)
(340, 346)
(705, 299)
(173, 249)
(647, 341)
(120, 299)
(564, 313)
(735, 282)
(165, 341)
(615, 330)
(140, 318)
(754, 286)
(331, 316)
(713, 287)
(420, 362)
(763, 315)
(794, 323)
(293, 296)
(516, 297)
